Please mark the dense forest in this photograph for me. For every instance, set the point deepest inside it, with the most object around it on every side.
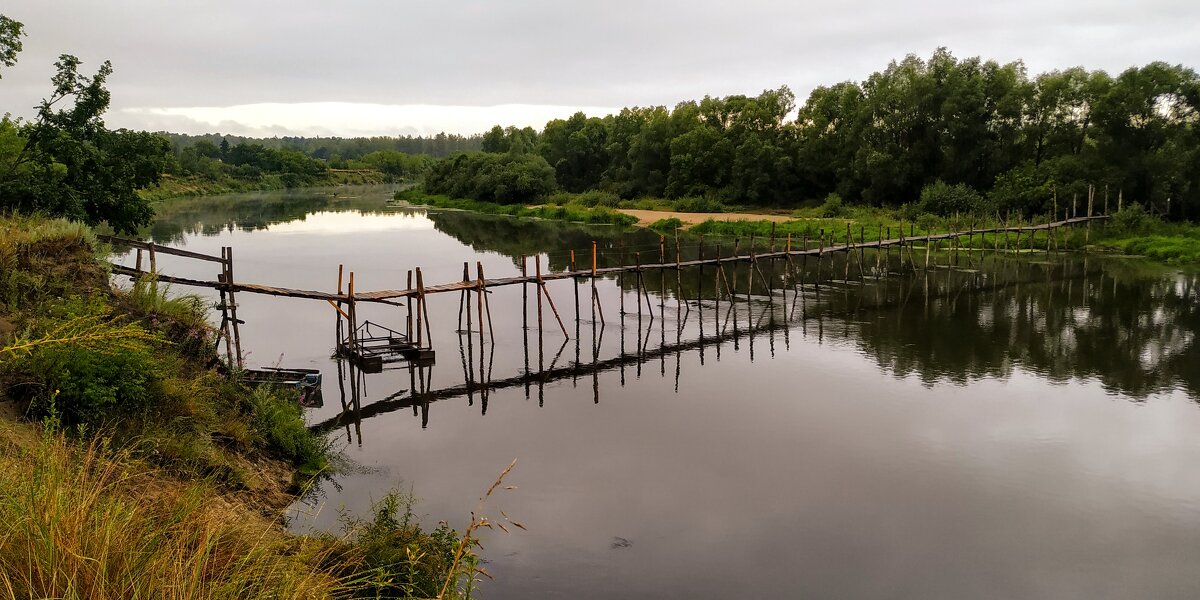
(300, 161)
(966, 134)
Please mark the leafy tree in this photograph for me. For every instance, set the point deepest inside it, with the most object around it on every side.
(10, 40)
(504, 178)
(67, 163)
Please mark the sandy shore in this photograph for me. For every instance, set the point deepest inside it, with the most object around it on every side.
(646, 217)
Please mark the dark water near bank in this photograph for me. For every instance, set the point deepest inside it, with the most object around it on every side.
(995, 427)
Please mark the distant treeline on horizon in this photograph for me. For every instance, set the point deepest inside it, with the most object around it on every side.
(1001, 140)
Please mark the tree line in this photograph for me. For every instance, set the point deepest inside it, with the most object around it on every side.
(337, 150)
(955, 133)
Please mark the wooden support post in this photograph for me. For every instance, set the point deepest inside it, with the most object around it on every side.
(483, 294)
(464, 298)
(537, 269)
(424, 305)
(546, 292)
(678, 274)
(230, 281)
(153, 271)
(338, 308)
(408, 302)
(750, 272)
(351, 316)
(137, 264)
(637, 257)
(420, 306)
(575, 287)
(524, 293)
(225, 332)
(1087, 236)
(596, 294)
(621, 279)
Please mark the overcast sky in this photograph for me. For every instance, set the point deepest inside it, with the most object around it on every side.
(394, 67)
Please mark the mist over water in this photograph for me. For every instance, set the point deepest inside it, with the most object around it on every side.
(993, 427)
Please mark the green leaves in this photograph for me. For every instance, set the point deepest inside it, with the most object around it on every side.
(65, 162)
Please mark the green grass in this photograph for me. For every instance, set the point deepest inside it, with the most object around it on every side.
(1173, 249)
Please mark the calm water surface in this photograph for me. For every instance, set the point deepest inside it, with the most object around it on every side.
(1001, 429)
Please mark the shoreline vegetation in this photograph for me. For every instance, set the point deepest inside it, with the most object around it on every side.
(1131, 231)
(131, 463)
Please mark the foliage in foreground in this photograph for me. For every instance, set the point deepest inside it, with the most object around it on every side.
(82, 521)
(153, 471)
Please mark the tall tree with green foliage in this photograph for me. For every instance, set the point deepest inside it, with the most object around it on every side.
(65, 162)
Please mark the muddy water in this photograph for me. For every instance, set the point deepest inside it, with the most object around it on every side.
(993, 427)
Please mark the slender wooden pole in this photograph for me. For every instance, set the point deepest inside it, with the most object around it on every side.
(542, 285)
(637, 257)
(596, 294)
(621, 279)
(229, 280)
(537, 269)
(420, 307)
(224, 313)
(483, 293)
(153, 271)
(352, 319)
(575, 288)
(408, 302)
(425, 305)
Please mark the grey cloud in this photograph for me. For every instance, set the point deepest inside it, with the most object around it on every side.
(484, 52)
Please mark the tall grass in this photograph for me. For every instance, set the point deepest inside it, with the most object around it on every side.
(85, 522)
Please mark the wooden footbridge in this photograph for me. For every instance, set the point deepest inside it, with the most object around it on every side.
(413, 343)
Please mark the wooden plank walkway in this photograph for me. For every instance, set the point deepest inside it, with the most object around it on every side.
(392, 296)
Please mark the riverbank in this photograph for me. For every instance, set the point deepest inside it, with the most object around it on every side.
(131, 463)
(194, 185)
(1131, 232)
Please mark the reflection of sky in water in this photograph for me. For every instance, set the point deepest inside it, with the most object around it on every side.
(350, 223)
(979, 445)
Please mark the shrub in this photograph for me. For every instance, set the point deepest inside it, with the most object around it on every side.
(698, 205)
(81, 365)
(1132, 219)
(279, 421)
(503, 178)
(833, 206)
(400, 559)
(666, 226)
(595, 198)
(942, 199)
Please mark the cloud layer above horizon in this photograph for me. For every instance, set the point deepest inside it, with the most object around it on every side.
(389, 68)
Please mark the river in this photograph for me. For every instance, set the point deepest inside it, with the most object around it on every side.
(994, 427)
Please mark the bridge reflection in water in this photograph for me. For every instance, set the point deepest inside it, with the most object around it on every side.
(975, 316)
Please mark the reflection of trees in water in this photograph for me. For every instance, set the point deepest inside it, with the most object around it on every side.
(211, 215)
(1135, 332)
(1078, 318)
(1131, 327)
(528, 237)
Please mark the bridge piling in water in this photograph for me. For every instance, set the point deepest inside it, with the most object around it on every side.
(417, 334)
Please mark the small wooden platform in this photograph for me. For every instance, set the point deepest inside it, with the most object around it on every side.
(372, 346)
